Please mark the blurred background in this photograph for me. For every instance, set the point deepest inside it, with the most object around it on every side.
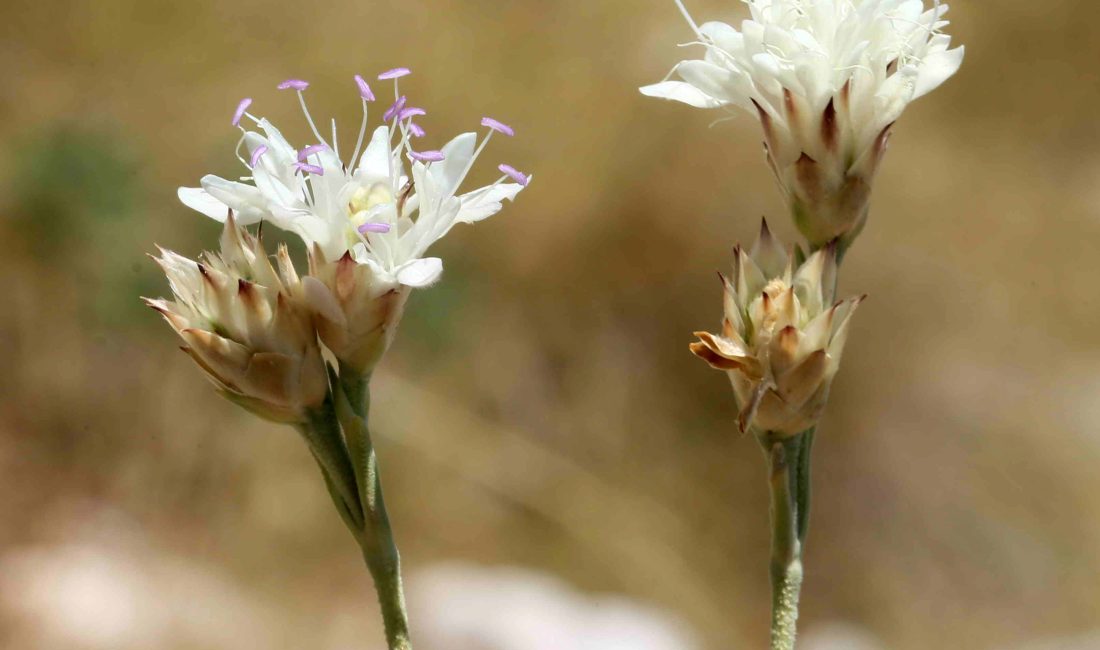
(561, 472)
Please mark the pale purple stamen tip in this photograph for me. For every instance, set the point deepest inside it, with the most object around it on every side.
(396, 73)
(415, 130)
(411, 111)
(374, 227)
(427, 156)
(312, 169)
(396, 108)
(296, 84)
(364, 89)
(241, 108)
(309, 151)
(499, 127)
(515, 174)
(260, 150)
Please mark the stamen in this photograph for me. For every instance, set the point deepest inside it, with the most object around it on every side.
(499, 127)
(305, 109)
(373, 227)
(241, 108)
(396, 73)
(364, 89)
(394, 109)
(260, 150)
(427, 156)
(309, 151)
(312, 169)
(411, 111)
(515, 174)
(335, 141)
(690, 20)
(416, 130)
(296, 84)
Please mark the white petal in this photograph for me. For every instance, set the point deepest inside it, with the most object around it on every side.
(484, 203)
(198, 199)
(420, 273)
(937, 68)
(247, 202)
(680, 91)
(723, 36)
(449, 173)
(375, 161)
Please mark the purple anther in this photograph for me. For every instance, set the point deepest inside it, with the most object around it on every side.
(394, 109)
(427, 156)
(515, 174)
(364, 89)
(309, 151)
(259, 151)
(411, 111)
(499, 127)
(396, 73)
(312, 169)
(415, 130)
(373, 227)
(296, 84)
(241, 108)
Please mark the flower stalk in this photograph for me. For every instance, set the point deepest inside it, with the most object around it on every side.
(784, 466)
(377, 542)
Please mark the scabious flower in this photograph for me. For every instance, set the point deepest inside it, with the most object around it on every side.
(386, 206)
(782, 335)
(827, 79)
(247, 325)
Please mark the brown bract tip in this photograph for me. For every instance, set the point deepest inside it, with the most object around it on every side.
(789, 105)
(829, 126)
(765, 232)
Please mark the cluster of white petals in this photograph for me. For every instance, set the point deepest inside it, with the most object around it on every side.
(889, 53)
(386, 206)
(827, 79)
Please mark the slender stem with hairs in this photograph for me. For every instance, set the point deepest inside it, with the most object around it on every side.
(376, 538)
(786, 558)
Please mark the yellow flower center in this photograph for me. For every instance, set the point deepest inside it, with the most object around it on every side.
(362, 202)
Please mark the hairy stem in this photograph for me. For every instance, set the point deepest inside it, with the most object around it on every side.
(379, 548)
(786, 558)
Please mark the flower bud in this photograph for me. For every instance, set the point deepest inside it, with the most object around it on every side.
(244, 322)
(356, 310)
(782, 335)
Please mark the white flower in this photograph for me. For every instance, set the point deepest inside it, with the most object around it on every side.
(827, 78)
(386, 206)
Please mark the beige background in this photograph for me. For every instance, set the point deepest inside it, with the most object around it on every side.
(540, 407)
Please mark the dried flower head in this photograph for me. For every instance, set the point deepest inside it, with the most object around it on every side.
(827, 79)
(355, 313)
(246, 324)
(782, 335)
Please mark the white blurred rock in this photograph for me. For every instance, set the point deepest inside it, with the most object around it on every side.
(838, 636)
(466, 607)
(106, 590)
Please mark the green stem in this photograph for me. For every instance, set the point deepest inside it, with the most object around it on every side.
(802, 483)
(786, 559)
(379, 548)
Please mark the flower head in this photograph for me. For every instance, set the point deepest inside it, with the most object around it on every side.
(356, 314)
(782, 335)
(827, 79)
(246, 324)
(385, 206)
